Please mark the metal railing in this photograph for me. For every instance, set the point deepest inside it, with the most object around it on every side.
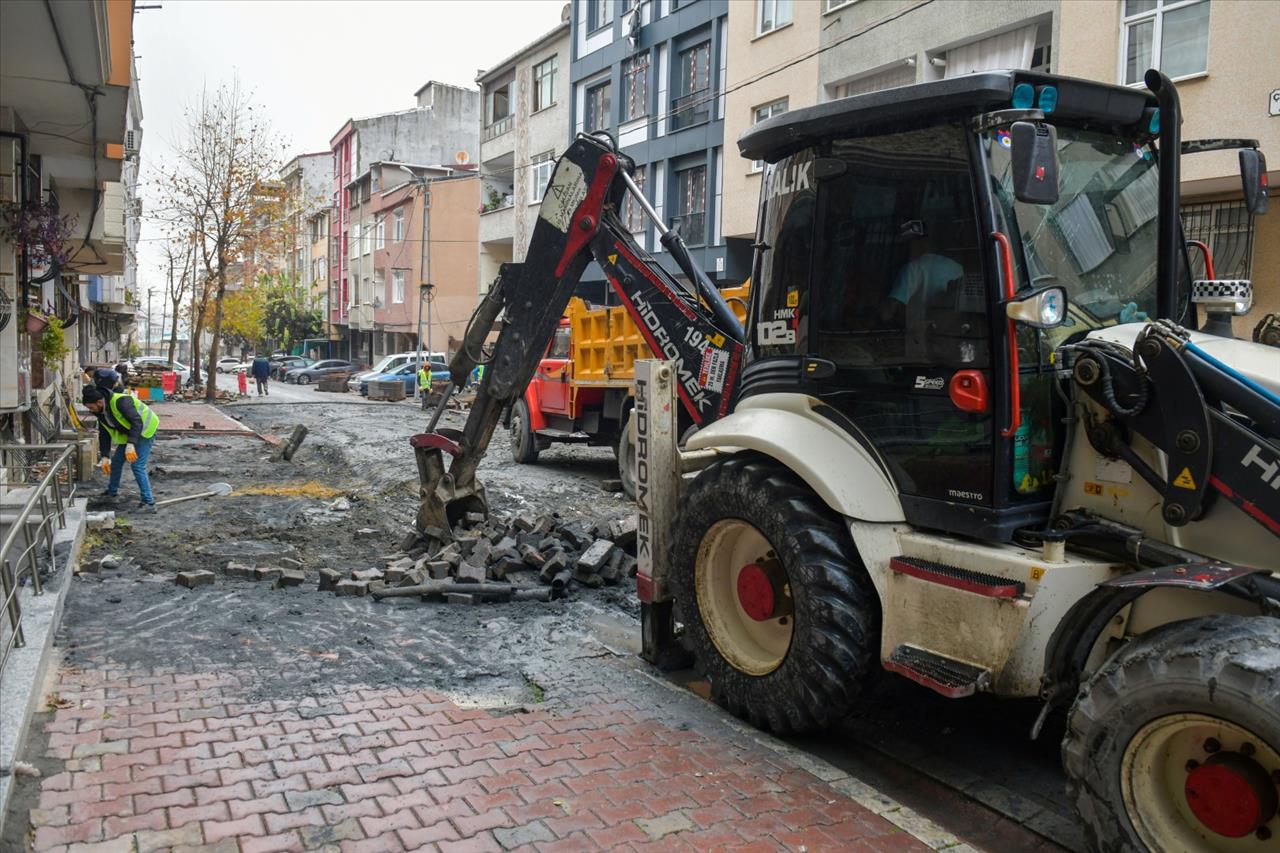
(20, 470)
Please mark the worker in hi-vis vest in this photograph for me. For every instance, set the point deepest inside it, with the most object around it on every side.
(424, 382)
(132, 427)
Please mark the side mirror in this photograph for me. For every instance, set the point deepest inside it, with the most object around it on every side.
(1253, 172)
(1042, 308)
(1035, 162)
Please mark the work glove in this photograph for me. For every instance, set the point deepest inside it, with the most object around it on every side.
(130, 453)
(105, 464)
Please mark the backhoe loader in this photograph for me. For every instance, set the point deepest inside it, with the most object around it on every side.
(976, 432)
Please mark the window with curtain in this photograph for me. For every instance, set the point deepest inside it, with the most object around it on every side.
(692, 102)
(1171, 35)
(599, 14)
(397, 286)
(632, 215)
(635, 87)
(540, 171)
(1013, 49)
(398, 222)
(691, 204)
(598, 104)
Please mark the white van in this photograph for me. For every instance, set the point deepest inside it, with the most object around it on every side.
(391, 362)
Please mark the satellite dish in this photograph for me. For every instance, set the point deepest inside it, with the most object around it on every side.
(461, 158)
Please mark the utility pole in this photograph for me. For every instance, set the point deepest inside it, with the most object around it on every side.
(148, 346)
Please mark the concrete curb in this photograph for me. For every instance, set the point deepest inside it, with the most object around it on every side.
(27, 667)
(913, 823)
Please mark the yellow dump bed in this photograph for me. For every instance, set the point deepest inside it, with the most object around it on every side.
(606, 343)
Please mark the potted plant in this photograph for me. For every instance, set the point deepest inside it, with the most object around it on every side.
(36, 228)
(53, 345)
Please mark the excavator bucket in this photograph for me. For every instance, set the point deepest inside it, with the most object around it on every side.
(443, 503)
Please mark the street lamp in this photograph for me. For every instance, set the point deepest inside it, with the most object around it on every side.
(425, 294)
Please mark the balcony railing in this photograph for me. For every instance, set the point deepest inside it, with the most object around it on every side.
(499, 127)
(693, 108)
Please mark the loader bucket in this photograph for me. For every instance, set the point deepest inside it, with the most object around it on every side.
(443, 502)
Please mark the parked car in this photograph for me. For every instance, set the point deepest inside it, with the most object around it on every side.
(151, 363)
(408, 374)
(283, 364)
(388, 363)
(324, 367)
(225, 364)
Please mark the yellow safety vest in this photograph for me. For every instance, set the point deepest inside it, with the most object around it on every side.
(150, 420)
(424, 379)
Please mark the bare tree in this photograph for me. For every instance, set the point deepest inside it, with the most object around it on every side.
(181, 257)
(225, 158)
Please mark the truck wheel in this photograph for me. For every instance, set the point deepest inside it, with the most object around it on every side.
(524, 444)
(626, 453)
(777, 608)
(1174, 744)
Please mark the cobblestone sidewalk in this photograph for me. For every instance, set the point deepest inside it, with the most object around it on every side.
(166, 759)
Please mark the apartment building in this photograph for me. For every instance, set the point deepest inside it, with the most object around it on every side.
(414, 250)
(321, 285)
(51, 56)
(441, 129)
(525, 117)
(306, 194)
(652, 74)
(784, 55)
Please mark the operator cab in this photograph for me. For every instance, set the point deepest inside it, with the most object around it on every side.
(895, 230)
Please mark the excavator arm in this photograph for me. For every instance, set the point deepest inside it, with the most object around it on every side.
(577, 223)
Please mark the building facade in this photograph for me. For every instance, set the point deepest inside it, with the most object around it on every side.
(652, 74)
(306, 194)
(442, 129)
(50, 58)
(524, 119)
(414, 256)
(785, 55)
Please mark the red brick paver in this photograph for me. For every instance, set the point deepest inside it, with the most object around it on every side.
(174, 758)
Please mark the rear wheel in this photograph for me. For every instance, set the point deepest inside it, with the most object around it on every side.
(777, 609)
(304, 379)
(524, 444)
(626, 453)
(1174, 744)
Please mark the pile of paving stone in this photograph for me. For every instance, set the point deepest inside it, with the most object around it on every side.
(503, 557)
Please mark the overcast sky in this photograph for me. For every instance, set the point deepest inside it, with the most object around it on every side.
(312, 65)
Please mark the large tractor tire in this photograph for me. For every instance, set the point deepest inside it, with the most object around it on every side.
(1174, 744)
(777, 609)
(524, 444)
(625, 451)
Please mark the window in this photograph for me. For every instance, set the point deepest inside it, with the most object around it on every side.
(692, 104)
(832, 5)
(598, 103)
(772, 14)
(397, 286)
(632, 214)
(1172, 35)
(540, 175)
(380, 230)
(635, 87)
(691, 204)
(599, 14)
(759, 114)
(890, 78)
(1227, 228)
(497, 110)
(544, 84)
(397, 220)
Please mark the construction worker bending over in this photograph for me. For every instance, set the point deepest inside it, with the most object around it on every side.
(107, 381)
(424, 382)
(132, 426)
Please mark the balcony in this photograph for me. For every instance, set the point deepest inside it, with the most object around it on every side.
(498, 225)
(499, 127)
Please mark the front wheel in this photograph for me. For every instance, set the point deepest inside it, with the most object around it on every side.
(1174, 744)
(304, 379)
(524, 444)
(777, 608)
(626, 454)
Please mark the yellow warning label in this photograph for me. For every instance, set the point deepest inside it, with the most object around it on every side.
(1185, 480)
(613, 259)
(1091, 488)
(793, 298)
(717, 340)
(1037, 572)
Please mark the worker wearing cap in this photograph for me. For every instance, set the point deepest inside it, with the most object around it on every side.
(132, 427)
(107, 381)
(424, 382)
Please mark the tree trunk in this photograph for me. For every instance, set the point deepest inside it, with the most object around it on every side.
(197, 307)
(211, 387)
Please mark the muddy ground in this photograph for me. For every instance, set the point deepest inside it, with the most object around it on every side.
(355, 471)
